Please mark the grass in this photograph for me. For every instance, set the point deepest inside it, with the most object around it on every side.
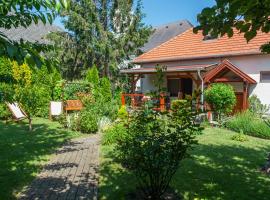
(23, 153)
(220, 168)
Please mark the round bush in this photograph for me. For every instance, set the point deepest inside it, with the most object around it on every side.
(88, 122)
(221, 97)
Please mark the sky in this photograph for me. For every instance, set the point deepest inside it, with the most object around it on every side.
(165, 11)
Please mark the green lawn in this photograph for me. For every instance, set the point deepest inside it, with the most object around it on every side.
(22, 153)
(220, 169)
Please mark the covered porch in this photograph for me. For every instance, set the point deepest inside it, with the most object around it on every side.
(181, 81)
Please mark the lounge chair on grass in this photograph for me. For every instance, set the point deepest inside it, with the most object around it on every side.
(17, 111)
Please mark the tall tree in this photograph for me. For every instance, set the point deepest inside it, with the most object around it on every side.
(249, 17)
(102, 32)
(16, 13)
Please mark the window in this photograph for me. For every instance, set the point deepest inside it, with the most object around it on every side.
(265, 76)
(209, 37)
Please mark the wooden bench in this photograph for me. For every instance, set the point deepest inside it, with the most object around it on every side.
(73, 105)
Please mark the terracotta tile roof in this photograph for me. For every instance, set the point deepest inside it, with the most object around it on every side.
(192, 46)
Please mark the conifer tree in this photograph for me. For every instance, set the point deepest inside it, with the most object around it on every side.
(100, 32)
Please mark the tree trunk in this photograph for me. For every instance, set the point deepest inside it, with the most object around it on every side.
(30, 124)
(106, 69)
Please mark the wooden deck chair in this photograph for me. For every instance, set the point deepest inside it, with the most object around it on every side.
(16, 111)
(56, 108)
(73, 105)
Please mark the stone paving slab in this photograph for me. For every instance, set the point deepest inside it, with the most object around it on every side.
(72, 174)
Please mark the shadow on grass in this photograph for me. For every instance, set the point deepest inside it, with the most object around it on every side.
(223, 172)
(114, 181)
(22, 153)
(216, 171)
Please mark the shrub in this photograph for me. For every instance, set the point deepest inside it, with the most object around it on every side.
(154, 145)
(44, 97)
(92, 77)
(72, 89)
(73, 121)
(221, 98)
(88, 122)
(122, 113)
(249, 124)
(178, 104)
(101, 109)
(105, 89)
(22, 74)
(32, 99)
(113, 134)
(103, 124)
(240, 137)
(58, 90)
(256, 106)
(6, 70)
(4, 112)
(47, 78)
(6, 92)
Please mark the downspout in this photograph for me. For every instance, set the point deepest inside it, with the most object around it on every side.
(202, 89)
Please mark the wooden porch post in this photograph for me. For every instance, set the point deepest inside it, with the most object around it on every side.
(245, 96)
(123, 101)
(162, 102)
(133, 86)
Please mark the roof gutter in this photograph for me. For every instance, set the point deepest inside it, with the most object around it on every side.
(202, 89)
(193, 58)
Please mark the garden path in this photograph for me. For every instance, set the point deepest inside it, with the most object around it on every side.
(71, 174)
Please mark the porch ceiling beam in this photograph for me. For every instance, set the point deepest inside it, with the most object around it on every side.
(225, 79)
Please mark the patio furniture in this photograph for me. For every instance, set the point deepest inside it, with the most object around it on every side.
(73, 105)
(56, 108)
(17, 112)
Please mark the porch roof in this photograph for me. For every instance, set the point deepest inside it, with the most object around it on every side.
(227, 65)
(185, 68)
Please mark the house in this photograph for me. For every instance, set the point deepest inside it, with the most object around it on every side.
(165, 32)
(162, 34)
(33, 33)
(194, 61)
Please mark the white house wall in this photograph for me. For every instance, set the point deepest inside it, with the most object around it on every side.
(251, 65)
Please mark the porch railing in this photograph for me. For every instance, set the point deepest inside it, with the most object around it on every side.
(137, 100)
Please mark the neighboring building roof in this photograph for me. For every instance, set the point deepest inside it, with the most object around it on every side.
(187, 46)
(165, 32)
(33, 33)
(150, 70)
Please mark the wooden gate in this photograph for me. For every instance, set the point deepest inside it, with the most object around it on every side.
(239, 102)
